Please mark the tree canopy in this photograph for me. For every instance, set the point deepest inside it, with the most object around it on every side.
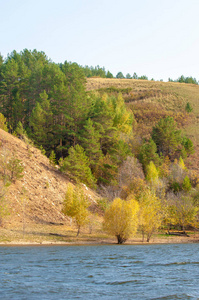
(121, 219)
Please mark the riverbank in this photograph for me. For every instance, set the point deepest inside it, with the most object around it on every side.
(63, 234)
(94, 240)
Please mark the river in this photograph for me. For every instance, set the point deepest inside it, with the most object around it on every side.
(168, 271)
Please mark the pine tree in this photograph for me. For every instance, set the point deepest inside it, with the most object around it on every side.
(76, 165)
(41, 122)
(52, 158)
(91, 143)
(167, 137)
(188, 107)
(78, 104)
(148, 152)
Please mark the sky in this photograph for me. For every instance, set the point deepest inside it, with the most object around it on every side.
(156, 38)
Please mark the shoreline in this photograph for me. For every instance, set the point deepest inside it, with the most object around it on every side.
(153, 241)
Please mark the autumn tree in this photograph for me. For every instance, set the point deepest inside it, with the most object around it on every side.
(130, 177)
(75, 205)
(152, 175)
(3, 124)
(181, 210)
(122, 117)
(150, 214)
(121, 219)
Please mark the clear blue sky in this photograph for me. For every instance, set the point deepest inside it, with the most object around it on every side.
(156, 38)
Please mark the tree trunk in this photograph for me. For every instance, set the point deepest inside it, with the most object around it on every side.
(120, 240)
(142, 237)
(78, 231)
(148, 237)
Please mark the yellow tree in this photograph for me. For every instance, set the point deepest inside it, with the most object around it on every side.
(156, 184)
(152, 173)
(75, 205)
(3, 124)
(150, 214)
(181, 211)
(121, 219)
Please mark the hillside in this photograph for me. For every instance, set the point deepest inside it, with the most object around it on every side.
(35, 201)
(153, 100)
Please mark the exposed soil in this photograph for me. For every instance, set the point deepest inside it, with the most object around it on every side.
(35, 201)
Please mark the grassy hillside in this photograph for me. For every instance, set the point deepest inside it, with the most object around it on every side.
(153, 100)
(34, 202)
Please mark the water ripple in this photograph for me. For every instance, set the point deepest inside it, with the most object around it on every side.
(100, 272)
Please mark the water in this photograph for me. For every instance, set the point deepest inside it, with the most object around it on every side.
(100, 272)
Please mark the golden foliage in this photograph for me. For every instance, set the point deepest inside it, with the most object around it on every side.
(150, 216)
(121, 219)
(180, 210)
(3, 124)
(75, 205)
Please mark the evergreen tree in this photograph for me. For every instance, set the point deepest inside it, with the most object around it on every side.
(188, 145)
(167, 137)
(120, 75)
(188, 107)
(128, 76)
(78, 104)
(135, 76)
(41, 123)
(76, 165)
(52, 158)
(148, 152)
(91, 143)
(109, 75)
